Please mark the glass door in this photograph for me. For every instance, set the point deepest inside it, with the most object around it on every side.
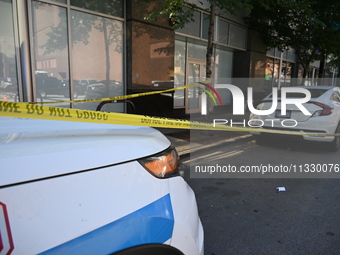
(196, 73)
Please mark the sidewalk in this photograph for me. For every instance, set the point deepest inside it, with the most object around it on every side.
(190, 141)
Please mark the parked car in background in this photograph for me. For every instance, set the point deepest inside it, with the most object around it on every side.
(84, 84)
(83, 188)
(53, 86)
(105, 89)
(9, 84)
(324, 107)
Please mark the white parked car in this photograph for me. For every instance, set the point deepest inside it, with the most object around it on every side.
(324, 107)
(82, 188)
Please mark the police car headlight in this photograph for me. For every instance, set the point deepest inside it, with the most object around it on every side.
(162, 165)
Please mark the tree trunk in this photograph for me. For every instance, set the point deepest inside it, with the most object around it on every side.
(304, 75)
(322, 65)
(210, 47)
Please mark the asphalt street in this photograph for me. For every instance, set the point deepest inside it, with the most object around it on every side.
(249, 215)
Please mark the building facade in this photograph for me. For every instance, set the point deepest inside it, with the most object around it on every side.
(62, 50)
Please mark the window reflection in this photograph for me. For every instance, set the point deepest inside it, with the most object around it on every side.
(51, 53)
(273, 71)
(205, 26)
(238, 36)
(223, 31)
(193, 27)
(8, 71)
(197, 51)
(194, 75)
(97, 58)
(111, 7)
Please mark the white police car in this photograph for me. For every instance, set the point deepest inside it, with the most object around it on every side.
(81, 188)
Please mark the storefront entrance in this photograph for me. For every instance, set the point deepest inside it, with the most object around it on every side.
(196, 71)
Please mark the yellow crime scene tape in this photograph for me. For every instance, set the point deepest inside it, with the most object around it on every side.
(116, 98)
(33, 111)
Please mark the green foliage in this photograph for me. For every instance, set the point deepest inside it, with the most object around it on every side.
(82, 25)
(178, 11)
(231, 5)
(307, 26)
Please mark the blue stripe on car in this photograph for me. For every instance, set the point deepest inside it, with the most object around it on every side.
(151, 224)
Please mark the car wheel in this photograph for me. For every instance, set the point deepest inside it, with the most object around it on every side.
(335, 145)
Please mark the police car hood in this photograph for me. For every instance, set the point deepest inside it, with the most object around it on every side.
(34, 149)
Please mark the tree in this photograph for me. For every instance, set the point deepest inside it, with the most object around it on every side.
(181, 12)
(307, 26)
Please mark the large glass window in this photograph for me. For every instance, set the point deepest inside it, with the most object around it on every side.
(237, 36)
(291, 55)
(51, 57)
(110, 7)
(8, 70)
(205, 26)
(231, 34)
(96, 53)
(288, 55)
(97, 58)
(197, 51)
(192, 28)
(227, 33)
(223, 31)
